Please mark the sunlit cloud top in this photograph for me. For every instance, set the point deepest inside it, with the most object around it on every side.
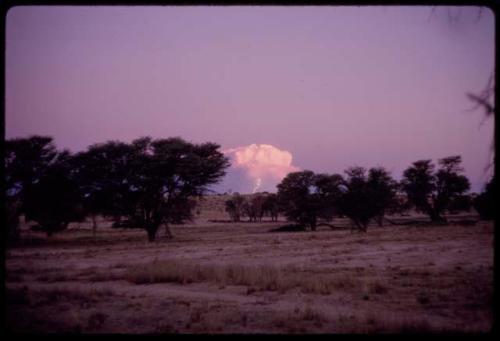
(264, 164)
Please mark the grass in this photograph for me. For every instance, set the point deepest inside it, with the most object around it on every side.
(382, 323)
(256, 278)
(376, 287)
(42, 297)
(406, 295)
(64, 294)
(96, 320)
(296, 321)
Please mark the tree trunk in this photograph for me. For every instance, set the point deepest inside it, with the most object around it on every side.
(436, 217)
(168, 233)
(313, 224)
(151, 230)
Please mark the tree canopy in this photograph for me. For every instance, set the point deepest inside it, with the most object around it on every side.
(39, 184)
(304, 196)
(434, 192)
(366, 196)
(152, 181)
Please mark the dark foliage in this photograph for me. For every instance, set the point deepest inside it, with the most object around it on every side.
(434, 192)
(54, 200)
(153, 180)
(40, 184)
(270, 206)
(304, 197)
(234, 207)
(366, 197)
(484, 203)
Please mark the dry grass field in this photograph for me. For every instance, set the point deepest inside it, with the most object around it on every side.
(241, 278)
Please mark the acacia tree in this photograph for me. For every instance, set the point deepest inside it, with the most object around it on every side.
(434, 192)
(102, 172)
(26, 160)
(271, 206)
(164, 175)
(253, 207)
(54, 200)
(484, 203)
(234, 206)
(400, 205)
(365, 197)
(304, 196)
(31, 186)
(384, 188)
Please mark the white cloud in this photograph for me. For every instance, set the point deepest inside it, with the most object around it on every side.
(264, 164)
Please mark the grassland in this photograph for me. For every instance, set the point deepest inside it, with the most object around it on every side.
(241, 278)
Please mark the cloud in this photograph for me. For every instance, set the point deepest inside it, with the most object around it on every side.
(263, 164)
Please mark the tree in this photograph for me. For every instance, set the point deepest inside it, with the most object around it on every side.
(271, 206)
(365, 197)
(102, 172)
(460, 204)
(54, 200)
(304, 196)
(253, 207)
(26, 161)
(384, 188)
(400, 205)
(434, 192)
(484, 203)
(329, 192)
(161, 178)
(234, 207)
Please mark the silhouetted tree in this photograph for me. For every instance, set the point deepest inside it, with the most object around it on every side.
(329, 192)
(366, 197)
(164, 174)
(234, 206)
(400, 205)
(26, 161)
(253, 207)
(484, 203)
(304, 196)
(434, 192)
(271, 206)
(54, 200)
(385, 189)
(462, 203)
(102, 172)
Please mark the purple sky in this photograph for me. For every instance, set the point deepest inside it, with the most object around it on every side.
(334, 86)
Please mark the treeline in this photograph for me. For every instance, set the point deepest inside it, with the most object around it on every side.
(254, 207)
(153, 183)
(368, 195)
(150, 182)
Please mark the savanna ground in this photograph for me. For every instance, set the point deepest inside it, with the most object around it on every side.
(241, 278)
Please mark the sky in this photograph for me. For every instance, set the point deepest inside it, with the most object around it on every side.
(280, 89)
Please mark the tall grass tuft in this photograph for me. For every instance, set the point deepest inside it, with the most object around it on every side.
(257, 277)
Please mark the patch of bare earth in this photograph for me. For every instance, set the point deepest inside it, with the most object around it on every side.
(240, 278)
